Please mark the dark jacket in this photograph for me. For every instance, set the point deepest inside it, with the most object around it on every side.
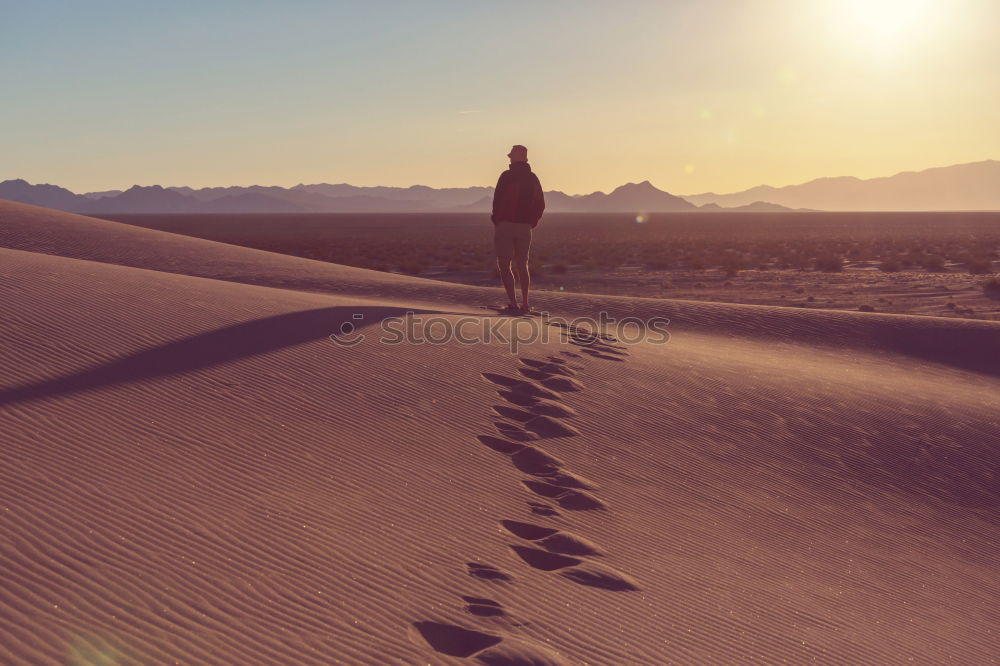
(518, 196)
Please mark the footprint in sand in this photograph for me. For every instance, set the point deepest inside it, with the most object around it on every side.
(534, 426)
(614, 349)
(560, 382)
(593, 343)
(571, 500)
(538, 405)
(500, 445)
(541, 408)
(544, 426)
(551, 539)
(488, 572)
(542, 509)
(577, 570)
(546, 368)
(537, 462)
(513, 414)
(605, 357)
(550, 408)
(483, 607)
(542, 377)
(522, 386)
(492, 649)
(514, 432)
(520, 399)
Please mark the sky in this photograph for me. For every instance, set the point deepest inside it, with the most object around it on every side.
(694, 96)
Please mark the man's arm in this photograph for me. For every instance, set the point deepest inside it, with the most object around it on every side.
(537, 202)
(498, 193)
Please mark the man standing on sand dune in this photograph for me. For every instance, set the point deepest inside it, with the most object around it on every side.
(518, 203)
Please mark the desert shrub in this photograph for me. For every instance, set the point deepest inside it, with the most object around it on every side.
(696, 262)
(890, 265)
(991, 288)
(801, 261)
(979, 265)
(933, 263)
(829, 263)
(865, 308)
(732, 265)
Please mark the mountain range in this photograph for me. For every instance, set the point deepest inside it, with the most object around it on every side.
(974, 186)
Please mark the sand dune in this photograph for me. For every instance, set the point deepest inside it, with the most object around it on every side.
(198, 468)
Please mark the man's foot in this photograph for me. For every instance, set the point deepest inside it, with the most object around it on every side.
(512, 308)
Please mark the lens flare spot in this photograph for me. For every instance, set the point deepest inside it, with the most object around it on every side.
(93, 650)
(788, 76)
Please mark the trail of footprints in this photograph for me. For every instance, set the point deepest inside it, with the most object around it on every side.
(534, 411)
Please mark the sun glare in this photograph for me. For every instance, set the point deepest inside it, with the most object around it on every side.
(882, 27)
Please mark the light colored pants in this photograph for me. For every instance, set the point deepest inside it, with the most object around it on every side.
(512, 239)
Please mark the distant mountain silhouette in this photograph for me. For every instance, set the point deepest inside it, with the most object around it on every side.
(139, 199)
(755, 207)
(416, 197)
(973, 186)
(327, 198)
(631, 197)
(49, 196)
(247, 202)
(102, 194)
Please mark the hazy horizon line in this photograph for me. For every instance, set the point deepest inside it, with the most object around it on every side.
(554, 189)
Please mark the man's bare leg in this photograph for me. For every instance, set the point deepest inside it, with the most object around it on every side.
(507, 277)
(525, 279)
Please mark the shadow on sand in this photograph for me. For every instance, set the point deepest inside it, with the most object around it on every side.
(215, 347)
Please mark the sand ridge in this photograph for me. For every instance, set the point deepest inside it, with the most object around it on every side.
(35, 229)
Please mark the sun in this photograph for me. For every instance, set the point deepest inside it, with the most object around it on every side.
(882, 27)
